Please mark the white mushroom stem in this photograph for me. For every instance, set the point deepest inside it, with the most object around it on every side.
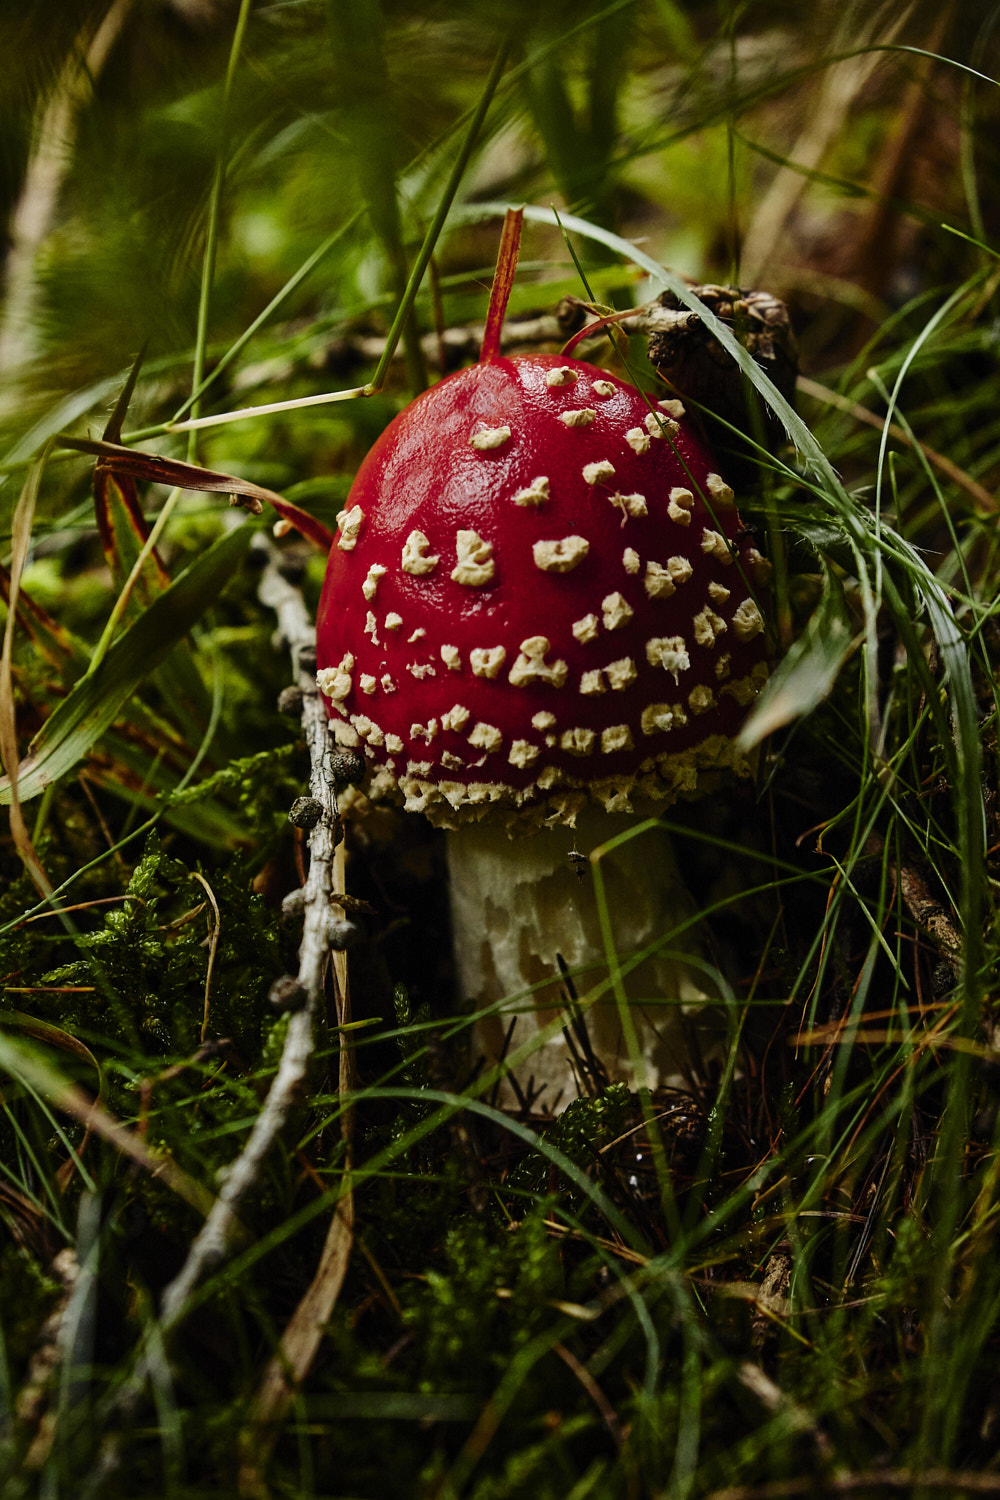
(520, 904)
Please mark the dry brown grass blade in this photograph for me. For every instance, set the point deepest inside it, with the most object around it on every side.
(299, 1345)
(132, 463)
(57, 1037)
(834, 101)
(870, 1481)
(23, 520)
(939, 461)
(23, 1063)
(610, 1417)
(213, 946)
(116, 497)
(875, 250)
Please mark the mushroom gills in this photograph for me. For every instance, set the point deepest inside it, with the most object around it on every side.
(517, 903)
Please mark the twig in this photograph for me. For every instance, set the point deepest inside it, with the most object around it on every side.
(449, 347)
(300, 1341)
(458, 344)
(777, 1402)
(212, 1242)
(344, 354)
(925, 909)
(325, 876)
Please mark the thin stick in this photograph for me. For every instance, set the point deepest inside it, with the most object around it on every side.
(212, 1242)
(221, 1225)
(300, 1342)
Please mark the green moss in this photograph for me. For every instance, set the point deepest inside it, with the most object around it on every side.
(580, 1132)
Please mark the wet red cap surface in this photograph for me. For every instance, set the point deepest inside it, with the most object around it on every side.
(538, 596)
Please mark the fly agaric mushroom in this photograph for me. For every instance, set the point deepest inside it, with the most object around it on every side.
(538, 616)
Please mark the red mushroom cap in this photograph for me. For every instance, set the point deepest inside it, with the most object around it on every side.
(537, 595)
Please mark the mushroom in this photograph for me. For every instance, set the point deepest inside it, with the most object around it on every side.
(538, 620)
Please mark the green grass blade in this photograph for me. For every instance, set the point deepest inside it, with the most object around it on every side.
(808, 670)
(437, 223)
(96, 701)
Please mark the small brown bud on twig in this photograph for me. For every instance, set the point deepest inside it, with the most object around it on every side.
(287, 993)
(305, 812)
(292, 567)
(348, 768)
(290, 701)
(340, 934)
(294, 905)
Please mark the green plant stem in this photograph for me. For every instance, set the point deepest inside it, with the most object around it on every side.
(437, 222)
(201, 342)
(291, 285)
(212, 231)
(121, 603)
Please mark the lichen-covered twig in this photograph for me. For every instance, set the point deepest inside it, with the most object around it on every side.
(460, 343)
(297, 1349)
(325, 877)
(213, 1239)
